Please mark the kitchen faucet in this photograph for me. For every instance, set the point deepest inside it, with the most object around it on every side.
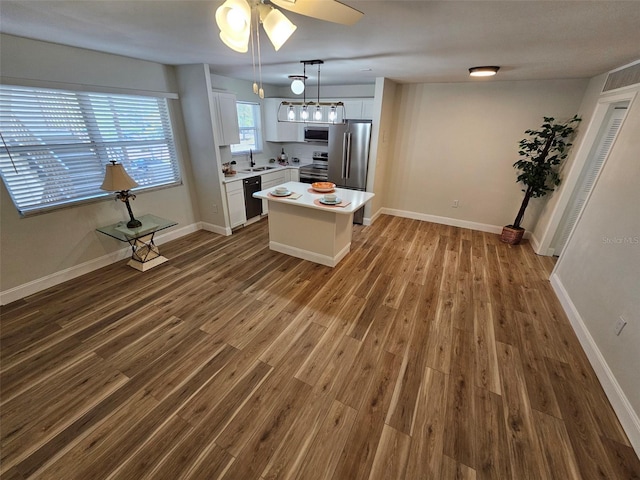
(251, 162)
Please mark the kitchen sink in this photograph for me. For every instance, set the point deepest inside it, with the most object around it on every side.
(257, 169)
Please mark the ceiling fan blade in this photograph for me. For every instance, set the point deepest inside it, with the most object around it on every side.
(328, 10)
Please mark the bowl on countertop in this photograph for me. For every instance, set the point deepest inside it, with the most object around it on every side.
(323, 187)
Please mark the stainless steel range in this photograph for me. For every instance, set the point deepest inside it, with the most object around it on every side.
(318, 171)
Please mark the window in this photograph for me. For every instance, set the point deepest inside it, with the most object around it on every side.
(55, 144)
(250, 128)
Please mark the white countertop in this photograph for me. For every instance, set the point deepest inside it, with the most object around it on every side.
(357, 198)
(241, 175)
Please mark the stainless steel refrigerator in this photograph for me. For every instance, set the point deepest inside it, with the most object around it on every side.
(349, 157)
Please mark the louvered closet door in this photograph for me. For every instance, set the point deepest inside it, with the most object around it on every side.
(590, 172)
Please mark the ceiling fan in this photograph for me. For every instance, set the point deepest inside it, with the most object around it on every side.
(234, 18)
(327, 10)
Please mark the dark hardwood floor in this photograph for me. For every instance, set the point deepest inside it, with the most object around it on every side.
(430, 352)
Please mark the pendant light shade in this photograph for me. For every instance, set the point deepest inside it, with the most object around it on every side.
(278, 27)
(297, 84)
(483, 71)
(234, 20)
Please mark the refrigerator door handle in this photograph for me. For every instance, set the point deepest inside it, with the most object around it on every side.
(343, 173)
(348, 152)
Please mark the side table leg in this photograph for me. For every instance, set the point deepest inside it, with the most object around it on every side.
(144, 253)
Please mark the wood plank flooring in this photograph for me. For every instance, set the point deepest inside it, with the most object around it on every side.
(430, 352)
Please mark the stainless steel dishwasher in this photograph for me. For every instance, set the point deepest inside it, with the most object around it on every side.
(252, 206)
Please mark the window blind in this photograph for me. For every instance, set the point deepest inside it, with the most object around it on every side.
(55, 144)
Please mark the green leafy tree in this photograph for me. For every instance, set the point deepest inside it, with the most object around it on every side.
(540, 155)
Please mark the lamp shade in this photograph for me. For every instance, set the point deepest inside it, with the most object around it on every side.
(278, 27)
(117, 179)
(234, 20)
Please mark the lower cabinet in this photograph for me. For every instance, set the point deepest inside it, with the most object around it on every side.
(235, 193)
(270, 180)
(235, 202)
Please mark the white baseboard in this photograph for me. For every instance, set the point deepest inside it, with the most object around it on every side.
(454, 222)
(210, 227)
(311, 256)
(628, 417)
(35, 286)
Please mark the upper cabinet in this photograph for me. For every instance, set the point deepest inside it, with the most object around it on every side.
(359, 109)
(283, 131)
(225, 116)
(275, 131)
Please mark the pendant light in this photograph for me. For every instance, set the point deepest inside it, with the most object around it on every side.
(310, 112)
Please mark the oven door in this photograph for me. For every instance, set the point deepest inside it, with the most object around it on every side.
(311, 176)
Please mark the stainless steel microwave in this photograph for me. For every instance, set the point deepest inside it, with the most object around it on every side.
(316, 134)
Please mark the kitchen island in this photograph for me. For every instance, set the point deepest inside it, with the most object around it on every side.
(303, 227)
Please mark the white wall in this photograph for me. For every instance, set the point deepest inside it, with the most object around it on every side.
(459, 141)
(598, 275)
(381, 154)
(44, 245)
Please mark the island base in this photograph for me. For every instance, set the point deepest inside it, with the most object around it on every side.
(310, 256)
(320, 236)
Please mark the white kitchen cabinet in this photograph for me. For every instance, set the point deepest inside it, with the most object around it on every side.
(352, 109)
(367, 109)
(270, 180)
(294, 175)
(225, 117)
(235, 202)
(275, 131)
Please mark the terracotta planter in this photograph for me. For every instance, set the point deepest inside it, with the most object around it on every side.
(511, 234)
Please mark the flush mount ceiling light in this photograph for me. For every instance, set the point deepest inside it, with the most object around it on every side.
(297, 83)
(310, 112)
(483, 71)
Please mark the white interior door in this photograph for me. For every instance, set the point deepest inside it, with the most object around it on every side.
(597, 157)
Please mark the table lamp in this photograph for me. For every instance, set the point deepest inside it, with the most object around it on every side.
(116, 179)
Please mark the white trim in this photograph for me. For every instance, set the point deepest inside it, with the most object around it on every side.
(80, 87)
(311, 256)
(35, 286)
(454, 222)
(621, 405)
(210, 227)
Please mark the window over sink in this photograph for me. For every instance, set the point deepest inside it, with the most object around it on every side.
(249, 121)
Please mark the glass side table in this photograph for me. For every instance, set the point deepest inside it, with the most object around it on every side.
(145, 253)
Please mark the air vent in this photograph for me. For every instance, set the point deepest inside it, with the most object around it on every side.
(623, 78)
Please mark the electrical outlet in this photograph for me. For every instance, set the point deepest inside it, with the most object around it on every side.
(455, 204)
(214, 208)
(620, 325)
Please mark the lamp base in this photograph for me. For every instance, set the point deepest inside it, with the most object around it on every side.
(133, 223)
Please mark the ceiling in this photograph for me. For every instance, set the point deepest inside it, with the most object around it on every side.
(406, 41)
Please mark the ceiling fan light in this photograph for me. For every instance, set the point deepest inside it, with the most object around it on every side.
(239, 44)
(234, 20)
(278, 27)
(483, 71)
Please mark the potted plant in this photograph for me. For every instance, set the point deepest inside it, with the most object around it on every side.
(540, 154)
